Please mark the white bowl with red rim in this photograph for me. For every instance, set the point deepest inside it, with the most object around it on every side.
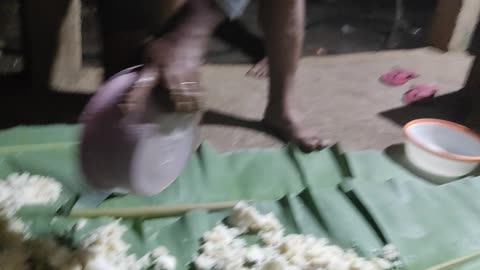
(442, 148)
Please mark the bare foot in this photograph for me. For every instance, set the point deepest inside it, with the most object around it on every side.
(259, 70)
(288, 129)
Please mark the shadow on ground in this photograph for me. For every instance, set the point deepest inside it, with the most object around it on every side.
(447, 107)
(23, 106)
(213, 117)
(396, 153)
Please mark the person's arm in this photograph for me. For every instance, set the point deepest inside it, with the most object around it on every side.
(174, 56)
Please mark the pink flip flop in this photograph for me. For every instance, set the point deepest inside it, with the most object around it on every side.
(420, 93)
(398, 76)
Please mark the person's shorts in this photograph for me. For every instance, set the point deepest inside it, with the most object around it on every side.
(233, 8)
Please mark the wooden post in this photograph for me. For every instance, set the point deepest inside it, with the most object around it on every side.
(52, 37)
(453, 24)
(41, 21)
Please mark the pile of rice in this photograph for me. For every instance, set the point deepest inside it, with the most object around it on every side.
(102, 249)
(223, 249)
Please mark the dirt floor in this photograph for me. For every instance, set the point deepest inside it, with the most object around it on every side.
(340, 97)
(339, 94)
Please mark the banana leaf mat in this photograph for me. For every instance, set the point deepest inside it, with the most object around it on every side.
(361, 199)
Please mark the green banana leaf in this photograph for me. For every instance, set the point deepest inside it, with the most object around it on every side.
(27, 138)
(428, 224)
(305, 213)
(244, 175)
(361, 199)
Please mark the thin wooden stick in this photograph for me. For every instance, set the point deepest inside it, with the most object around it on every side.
(446, 265)
(150, 211)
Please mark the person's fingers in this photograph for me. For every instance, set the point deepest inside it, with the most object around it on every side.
(136, 97)
(185, 91)
(188, 97)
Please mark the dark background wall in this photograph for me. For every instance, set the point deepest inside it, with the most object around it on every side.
(338, 26)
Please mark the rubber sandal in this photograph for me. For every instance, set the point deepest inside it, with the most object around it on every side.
(398, 76)
(420, 93)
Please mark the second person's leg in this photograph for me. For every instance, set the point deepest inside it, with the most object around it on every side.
(283, 24)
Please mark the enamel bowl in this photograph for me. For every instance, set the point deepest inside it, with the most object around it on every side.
(138, 153)
(441, 147)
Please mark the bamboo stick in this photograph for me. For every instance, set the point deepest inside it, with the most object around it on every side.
(454, 262)
(150, 211)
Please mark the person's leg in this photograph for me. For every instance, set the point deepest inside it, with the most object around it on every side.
(283, 24)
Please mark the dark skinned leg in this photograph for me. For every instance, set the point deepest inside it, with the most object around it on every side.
(283, 24)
